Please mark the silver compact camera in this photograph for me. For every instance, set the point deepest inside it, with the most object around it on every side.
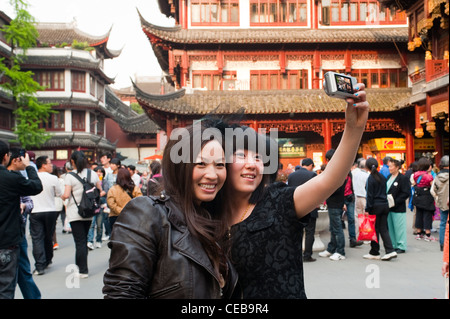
(339, 85)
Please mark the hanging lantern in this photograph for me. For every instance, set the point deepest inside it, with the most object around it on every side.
(417, 42)
(418, 132)
(431, 128)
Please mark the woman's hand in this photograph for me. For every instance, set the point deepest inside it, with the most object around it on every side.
(357, 111)
(333, 177)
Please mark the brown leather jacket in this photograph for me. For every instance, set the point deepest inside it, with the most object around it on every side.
(153, 255)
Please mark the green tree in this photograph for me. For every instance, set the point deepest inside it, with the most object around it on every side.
(137, 108)
(22, 34)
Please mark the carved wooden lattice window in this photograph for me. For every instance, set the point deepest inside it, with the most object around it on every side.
(52, 80)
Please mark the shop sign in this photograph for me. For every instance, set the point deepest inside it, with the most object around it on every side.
(387, 144)
(424, 144)
(291, 147)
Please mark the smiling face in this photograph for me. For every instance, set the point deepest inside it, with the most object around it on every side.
(209, 173)
(246, 172)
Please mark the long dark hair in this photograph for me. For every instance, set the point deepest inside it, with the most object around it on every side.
(372, 165)
(205, 225)
(80, 161)
(124, 180)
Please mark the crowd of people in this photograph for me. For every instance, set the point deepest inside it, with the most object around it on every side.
(217, 225)
(39, 192)
(388, 192)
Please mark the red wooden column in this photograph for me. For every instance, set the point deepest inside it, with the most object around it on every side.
(409, 140)
(169, 127)
(316, 70)
(327, 134)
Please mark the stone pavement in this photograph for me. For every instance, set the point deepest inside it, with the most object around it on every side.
(414, 275)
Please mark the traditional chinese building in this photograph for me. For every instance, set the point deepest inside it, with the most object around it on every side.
(428, 34)
(269, 56)
(89, 116)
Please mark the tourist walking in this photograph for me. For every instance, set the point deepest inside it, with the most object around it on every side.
(335, 204)
(440, 191)
(43, 216)
(80, 226)
(120, 194)
(297, 178)
(377, 204)
(398, 188)
(13, 185)
(423, 201)
(25, 280)
(359, 180)
(97, 221)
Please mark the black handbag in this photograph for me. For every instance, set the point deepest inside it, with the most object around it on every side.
(423, 199)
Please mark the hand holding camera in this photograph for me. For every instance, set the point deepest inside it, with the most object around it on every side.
(24, 156)
(339, 85)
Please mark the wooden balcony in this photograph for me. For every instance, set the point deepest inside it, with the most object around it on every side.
(435, 69)
(417, 76)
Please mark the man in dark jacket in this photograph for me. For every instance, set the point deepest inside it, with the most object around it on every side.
(335, 204)
(297, 178)
(13, 185)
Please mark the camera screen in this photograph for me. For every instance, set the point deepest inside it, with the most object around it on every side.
(344, 84)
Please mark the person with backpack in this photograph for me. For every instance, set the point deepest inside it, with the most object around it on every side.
(120, 194)
(75, 191)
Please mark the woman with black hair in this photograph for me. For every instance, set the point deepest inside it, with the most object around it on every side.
(267, 218)
(73, 192)
(169, 246)
(398, 189)
(120, 194)
(377, 204)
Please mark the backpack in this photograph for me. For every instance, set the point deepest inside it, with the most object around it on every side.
(90, 199)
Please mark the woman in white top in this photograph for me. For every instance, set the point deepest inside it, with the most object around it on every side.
(80, 226)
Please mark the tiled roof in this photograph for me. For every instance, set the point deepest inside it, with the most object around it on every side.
(82, 139)
(128, 120)
(58, 33)
(179, 35)
(267, 102)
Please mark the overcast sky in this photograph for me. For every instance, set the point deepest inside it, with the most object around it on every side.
(96, 17)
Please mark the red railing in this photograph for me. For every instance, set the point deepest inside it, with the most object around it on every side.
(417, 76)
(435, 69)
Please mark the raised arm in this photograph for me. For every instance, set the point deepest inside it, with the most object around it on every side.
(317, 190)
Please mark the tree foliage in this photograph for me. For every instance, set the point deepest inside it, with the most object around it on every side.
(21, 34)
